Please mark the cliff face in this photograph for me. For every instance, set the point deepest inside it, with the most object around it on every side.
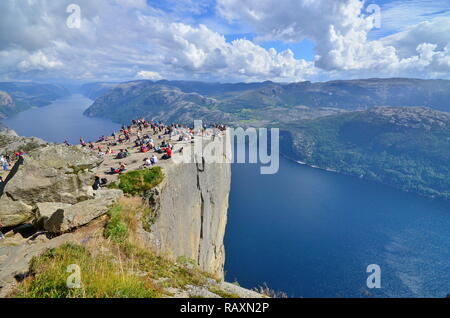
(191, 212)
(49, 188)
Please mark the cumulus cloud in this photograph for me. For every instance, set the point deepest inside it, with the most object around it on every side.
(340, 31)
(125, 39)
(148, 75)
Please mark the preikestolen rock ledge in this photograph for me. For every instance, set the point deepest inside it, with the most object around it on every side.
(167, 238)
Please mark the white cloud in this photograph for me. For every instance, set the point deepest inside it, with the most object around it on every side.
(340, 31)
(125, 39)
(39, 61)
(436, 31)
(149, 75)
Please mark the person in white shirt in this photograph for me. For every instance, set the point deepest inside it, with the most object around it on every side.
(154, 160)
(147, 162)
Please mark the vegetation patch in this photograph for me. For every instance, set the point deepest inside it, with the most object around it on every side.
(100, 277)
(139, 181)
(222, 293)
(80, 168)
(115, 264)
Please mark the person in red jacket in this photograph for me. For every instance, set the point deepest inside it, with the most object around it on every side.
(169, 152)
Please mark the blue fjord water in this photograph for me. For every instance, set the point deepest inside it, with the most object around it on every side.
(304, 231)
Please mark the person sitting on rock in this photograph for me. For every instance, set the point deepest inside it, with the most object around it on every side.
(148, 162)
(122, 154)
(168, 154)
(154, 160)
(97, 183)
(144, 149)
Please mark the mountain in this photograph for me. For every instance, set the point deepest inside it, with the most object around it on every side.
(404, 147)
(135, 99)
(95, 90)
(241, 98)
(17, 97)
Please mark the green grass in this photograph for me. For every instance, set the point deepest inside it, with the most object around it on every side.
(117, 228)
(139, 181)
(101, 277)
(114, 264)
(222, 293)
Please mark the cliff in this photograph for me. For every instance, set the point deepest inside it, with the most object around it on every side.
(46, 203)
(191, 212)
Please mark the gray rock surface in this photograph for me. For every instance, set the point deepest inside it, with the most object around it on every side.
(191, 213)
(46, 209)
(67, 218)
(55, 173)
(239, 291)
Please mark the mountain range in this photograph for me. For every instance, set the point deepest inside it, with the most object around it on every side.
(19, 96)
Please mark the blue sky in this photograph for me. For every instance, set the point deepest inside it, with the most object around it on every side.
(224, 40)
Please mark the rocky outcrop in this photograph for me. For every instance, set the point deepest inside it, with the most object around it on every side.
(66, 218)
(55, 173)
(190, 213)
(6, 103)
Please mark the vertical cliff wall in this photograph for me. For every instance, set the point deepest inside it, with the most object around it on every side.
(190, 208)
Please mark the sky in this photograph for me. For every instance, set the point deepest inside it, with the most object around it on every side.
(223, 40)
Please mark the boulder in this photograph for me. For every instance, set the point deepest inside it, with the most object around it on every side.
(52, 174)
(13, 213)
(45, 210)
(68, 218)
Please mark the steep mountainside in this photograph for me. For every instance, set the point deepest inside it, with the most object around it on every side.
(134, 99)
(407, 148)
(95, 90)
(17, 97)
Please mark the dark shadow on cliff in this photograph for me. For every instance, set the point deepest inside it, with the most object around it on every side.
(11, 175)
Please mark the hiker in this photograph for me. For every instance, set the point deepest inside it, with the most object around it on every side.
(148, 162)
(66, 143)
(122, 154)
(168, 154)
(144, 149)
(97, 183)
(154, 160)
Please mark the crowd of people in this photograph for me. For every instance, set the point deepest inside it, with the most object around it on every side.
(144, 136)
